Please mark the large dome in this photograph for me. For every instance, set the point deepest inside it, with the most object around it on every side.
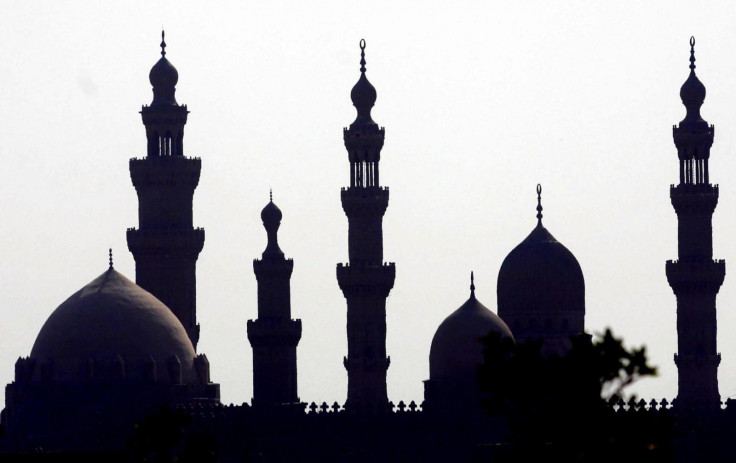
(541, 287)
(112, 321)
(457, 349)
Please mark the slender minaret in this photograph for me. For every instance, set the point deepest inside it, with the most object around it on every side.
(366, 280)
(695, 277)
(166, 246)
(274, 335)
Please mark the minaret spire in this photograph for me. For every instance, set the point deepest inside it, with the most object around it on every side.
(163, 44)
(109, 253)
(472, 285)
(539, 203)
(695, 277)
(366, 280)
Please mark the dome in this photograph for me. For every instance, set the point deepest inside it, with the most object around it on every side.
(111, 319)
(271, 214)
(163, 78)
(542, 281)
(163, 74)
(457, 349)
(692, 94)
(363, 93)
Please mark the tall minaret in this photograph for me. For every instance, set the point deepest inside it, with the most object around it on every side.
(695, 277)
(274, 335)
(166, 246)
(366, 280)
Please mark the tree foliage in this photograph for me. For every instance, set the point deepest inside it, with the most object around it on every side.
(558, 405)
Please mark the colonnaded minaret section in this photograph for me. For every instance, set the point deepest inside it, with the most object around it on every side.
(366, 280)
(166, 245)
(695, 277)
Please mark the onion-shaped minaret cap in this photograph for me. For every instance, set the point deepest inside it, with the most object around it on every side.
(271, 216)
(363, 93)
(163, 78)
(692, 91)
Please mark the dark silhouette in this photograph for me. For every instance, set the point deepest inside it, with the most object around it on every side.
(367, 279)
(556, 406)
(695, 277)
(274, 335)
(114, 353)
(166, 245)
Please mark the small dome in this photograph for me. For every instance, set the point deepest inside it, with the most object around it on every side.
(271, 214)
(163, 74)
(163, 78)
(363, 93)
(540, 275)
(457, 349)
(113, 318)
(692, 94)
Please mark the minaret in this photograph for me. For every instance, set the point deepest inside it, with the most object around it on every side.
(274, 335)
(166, 246)
(366, 280)
(695, 277)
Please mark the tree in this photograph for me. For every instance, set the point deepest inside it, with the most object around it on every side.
(558, 406)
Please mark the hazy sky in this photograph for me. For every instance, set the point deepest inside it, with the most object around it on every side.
(480, 100)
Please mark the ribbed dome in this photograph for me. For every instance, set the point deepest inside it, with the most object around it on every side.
(457, 349)
(111, 317)
(540, 275)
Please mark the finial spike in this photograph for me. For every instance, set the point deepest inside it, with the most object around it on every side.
(362, 56)
(539, 203)
(270, 194)
(163, 44)
(109, 253)
(472, 284)
(692, 53)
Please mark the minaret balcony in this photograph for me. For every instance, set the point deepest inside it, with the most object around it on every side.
(274, 332)
(169, 171)
(165, 241)
(369, 280)
(695, 277)
(360, 200)
(689, 198)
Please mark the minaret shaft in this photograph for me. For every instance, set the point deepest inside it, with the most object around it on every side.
(166, 245)
(695, 277)
(366, 280)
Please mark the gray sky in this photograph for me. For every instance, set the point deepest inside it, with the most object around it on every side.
(480, 100)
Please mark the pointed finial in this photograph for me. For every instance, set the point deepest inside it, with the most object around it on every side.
(163, 44)
(362, 56)
(270, 194)
(109, 253)
(472, 284)
(539, 203)
(692, 53)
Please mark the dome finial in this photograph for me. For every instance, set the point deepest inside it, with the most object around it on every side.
(362, 56)
(472, 284)
(109, 253)
(539, 203)
(163, 44)
(692, 53)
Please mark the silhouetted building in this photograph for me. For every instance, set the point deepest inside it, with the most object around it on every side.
(274, 335)
(367, 279)
(541, 290)
(695, 277)
(116, 352)
(166, 245)
(455, 355)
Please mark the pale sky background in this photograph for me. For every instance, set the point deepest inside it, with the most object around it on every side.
(480, 100)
